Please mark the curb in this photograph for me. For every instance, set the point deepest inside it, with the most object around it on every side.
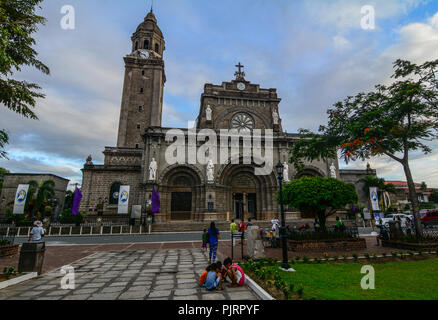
(259, 291)
(18, 280)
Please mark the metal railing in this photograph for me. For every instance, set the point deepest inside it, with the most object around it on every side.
(73, 230)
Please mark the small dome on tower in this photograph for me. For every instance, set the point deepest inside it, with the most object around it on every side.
(150, 24)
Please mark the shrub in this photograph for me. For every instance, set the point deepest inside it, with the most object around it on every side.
(394, 254)
(5, 242)
(384, 254)
(355, 256)
(8, 272)
(300, 291)
(345, 256)
(297, 258)
(68, 217)
(286, 293)
(367, 255)
(335, 258)
(306, 259)
(410, 253)
(375, 256)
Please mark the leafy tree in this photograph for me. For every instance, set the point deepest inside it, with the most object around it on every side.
(434, 197)
(370, 181)
(318, 195)
(393, 120)
(69, 197)
(18, 23)
(423, 186)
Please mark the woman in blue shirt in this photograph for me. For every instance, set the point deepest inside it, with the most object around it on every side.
(213, 240)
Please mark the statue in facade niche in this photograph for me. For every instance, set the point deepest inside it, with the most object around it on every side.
(275, 117)
(153, 170)
(210, 171)
(208, 113)
(286, 172)
(333, 171)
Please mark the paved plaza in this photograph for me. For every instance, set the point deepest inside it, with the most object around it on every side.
(129, 275)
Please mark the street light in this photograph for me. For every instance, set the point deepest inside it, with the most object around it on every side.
(285, 265)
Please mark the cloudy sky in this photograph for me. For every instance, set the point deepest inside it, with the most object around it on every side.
(314, 52)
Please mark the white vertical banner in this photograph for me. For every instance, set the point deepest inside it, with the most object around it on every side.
(374, 199)
(123, 200)
(20, 198)
(136, 212)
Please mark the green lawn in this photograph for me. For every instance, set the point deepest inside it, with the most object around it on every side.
(417, 280)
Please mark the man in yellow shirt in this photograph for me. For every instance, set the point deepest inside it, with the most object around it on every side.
(233, 226)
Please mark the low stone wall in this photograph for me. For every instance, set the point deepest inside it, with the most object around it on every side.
(326, 245)
(410, 246)
(9, 250)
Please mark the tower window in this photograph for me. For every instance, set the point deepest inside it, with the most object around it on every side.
(141, 90)
(136, 45)
(138, 126)
(142, 72)
(140, 108)
(137, 146)
(157, 48)
(146, 44)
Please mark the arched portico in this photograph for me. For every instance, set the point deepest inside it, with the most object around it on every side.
(248, 195)
(181, 193)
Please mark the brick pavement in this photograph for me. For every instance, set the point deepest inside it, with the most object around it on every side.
(170, 274)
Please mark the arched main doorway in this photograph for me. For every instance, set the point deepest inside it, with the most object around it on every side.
(248, 195)
(181, 187)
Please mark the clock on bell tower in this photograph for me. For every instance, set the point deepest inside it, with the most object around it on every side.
(142, 99)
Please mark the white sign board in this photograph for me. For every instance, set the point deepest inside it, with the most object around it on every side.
(20, 198)
(374, 199)
(123, 200)
(136, 212)
(366, 214)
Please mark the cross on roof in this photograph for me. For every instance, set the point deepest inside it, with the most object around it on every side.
(240, 67)
(240, 75)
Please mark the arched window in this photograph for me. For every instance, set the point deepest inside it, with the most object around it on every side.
(146, 44)
(157, 48)
(136, 45)
(114, 193)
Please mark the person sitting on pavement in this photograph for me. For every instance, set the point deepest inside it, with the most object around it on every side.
(37, 232)
(203, 277)
(214, 278)
(249, 224)
(234, 273)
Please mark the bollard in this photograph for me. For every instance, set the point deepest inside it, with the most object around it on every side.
(32, 257)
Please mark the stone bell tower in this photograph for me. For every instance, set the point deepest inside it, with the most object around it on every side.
(142, 100)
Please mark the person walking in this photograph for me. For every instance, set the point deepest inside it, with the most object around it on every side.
(213, 241)
(37, 232)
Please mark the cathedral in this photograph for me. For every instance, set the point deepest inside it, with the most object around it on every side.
(193, 190)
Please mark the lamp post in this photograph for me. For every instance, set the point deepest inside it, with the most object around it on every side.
(285, 265)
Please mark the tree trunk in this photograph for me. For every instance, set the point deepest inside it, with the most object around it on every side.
(322, 220)
(414, 199)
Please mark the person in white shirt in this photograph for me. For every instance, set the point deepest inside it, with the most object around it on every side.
(37, 232)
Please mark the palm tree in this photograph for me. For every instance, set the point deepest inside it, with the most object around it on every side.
(382, 187)
(45, 191)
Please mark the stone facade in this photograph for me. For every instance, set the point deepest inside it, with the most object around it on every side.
(12, 180)
(354, 177)
(189, 190)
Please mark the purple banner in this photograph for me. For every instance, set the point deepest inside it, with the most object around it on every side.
(76, 201)
(155, 202)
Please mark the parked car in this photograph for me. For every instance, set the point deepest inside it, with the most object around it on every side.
(430, 218)
(392, 216)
